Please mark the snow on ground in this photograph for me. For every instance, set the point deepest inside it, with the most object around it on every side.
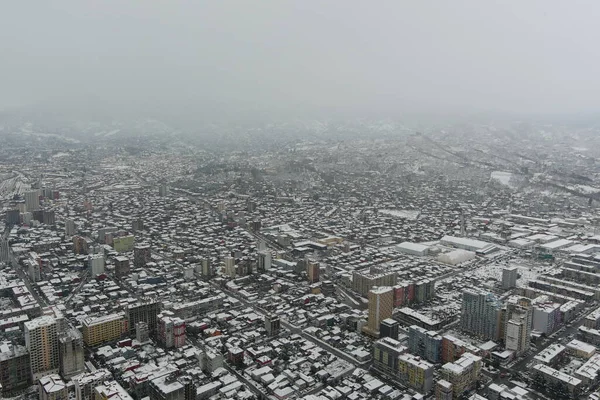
(49, 135)
(501, 176)
(406, 214)
(113, 132)
(586, 189)
(527, 272)
(11, 186)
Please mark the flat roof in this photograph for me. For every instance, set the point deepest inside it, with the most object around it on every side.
(557, 374)
(465, 242)
(579, 345)
(412, 246)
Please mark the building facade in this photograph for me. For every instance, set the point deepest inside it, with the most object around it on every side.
(144, 311)
(463, 374)
(52, 387)
(41, 340)
(381, 307)
(385, 355)
(424, 343)
(142, 255)
(108, 328)
(480, 314)
(362, 283)
(415, 373)
(71, 354)
(170, 330)
(509, 277)
(15, 368)
(518, 324)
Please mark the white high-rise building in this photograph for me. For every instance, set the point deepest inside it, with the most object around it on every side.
(514, 337)
(163, 190)
(70, 227)
(263, 262)
(509, 277)
(206, 268)
(518, 324)
(261, 245)
(4, 250)
(546, 317)
(32, 200)
(41, 339)
(96, 264)
(230, 267)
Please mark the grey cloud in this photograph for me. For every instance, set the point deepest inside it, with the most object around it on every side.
(302, 56)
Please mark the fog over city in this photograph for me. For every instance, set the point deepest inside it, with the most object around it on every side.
(299, 200)
(216, 59)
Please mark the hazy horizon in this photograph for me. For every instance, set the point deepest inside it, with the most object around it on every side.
(189, 60)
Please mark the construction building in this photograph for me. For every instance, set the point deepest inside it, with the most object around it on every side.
(122, 267)
(144, 311)
(71, 353)
(142, 255)
(15, 368)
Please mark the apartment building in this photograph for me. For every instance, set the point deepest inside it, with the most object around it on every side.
(41, 340)
(108, 328)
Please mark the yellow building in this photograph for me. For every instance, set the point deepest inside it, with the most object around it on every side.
(312, 271)
(462, 374)
(581, 349)
(415, 372)
(381, 306)
(103, 329)
(124, 243)
(41, 339)
(443, 390)
(331, 240)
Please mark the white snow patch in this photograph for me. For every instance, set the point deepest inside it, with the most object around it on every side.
(113, 132)
(406, 214)
(501, 176)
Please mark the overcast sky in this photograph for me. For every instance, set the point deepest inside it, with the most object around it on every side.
(303, 56)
